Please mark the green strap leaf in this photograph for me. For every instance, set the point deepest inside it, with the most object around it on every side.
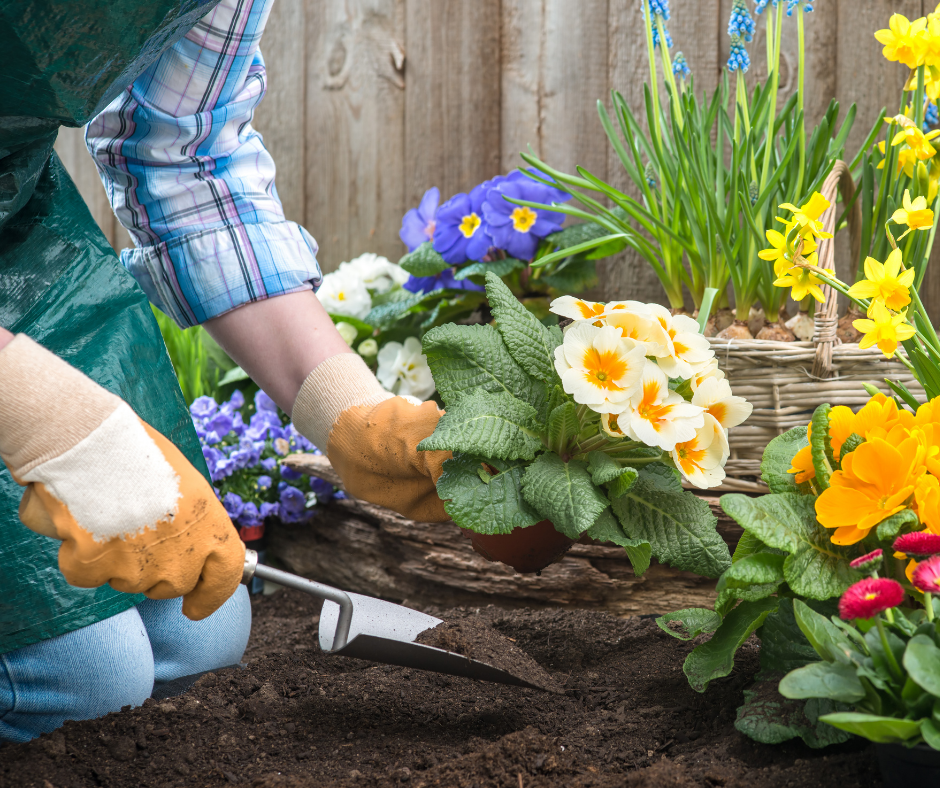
(487, 425)
(530, 343)
(467, 358)
(424, 261)
(778, 459)
(715, 658)
(564, 493)
(823, 460)
(689, 623)
(815, 568)
(679, 526)
(607, 529)
(882, 730)
(488, 506)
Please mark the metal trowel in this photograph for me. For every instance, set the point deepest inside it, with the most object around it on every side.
(352, 625)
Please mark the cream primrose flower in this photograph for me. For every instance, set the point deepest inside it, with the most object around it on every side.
(714, 395)
(701, 460)
(598, 367)
(634, 322)
(343, 293)
(404, 370)
(708, 372)
(658, 416)
(690, 350)
(375, 272)
(577, 309)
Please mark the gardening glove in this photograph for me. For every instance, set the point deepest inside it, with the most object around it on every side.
(129, 508)
(371, 437)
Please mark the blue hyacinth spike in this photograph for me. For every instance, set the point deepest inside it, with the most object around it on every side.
(739, 59)
(741, 22)
(680, 68)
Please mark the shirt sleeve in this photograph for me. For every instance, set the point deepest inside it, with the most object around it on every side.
(191, 180)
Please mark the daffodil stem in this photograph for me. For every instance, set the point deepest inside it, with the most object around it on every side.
(919, 98)
(889, 654)
(801, 144)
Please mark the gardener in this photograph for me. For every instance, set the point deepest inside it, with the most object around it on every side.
(86, 390)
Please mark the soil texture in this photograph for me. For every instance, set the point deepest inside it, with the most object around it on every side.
(296, 718)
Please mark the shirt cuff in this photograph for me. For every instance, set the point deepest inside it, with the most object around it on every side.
(202, 275)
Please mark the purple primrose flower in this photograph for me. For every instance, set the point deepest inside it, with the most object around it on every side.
(425, 284)
(418, 224)
(460, 232)
(517, 228)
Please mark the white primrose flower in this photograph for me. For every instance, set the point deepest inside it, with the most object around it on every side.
(640, 326)
(343, 293)
(701, 459)
(714, 395)
(598, 367)
(690, 351)
(375, 272)
(707, 372)
(404, 370)
(658, 416)
(576, 308)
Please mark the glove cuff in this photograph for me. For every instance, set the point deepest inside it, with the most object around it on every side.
(46, 405)
(341, 382)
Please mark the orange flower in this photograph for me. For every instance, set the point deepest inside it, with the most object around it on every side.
(841, 425)
(802, 465)
(875, 482)
(881, 411)
(928, 413)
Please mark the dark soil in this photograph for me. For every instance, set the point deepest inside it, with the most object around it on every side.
(296, 718)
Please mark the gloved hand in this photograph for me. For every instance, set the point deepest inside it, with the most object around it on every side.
(129, 508)
(371, 437)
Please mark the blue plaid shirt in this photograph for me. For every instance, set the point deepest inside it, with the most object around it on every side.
(191, 180)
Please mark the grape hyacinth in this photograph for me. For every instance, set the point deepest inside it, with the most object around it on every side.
(738, 59)
(680, 68)
(791, 4)
(658, 8)
(741, 22)
(931, 116)
(244, 461)
(760, 5)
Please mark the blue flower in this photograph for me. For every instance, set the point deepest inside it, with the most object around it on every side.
(517, 229)
(460, 232)
(261, 424)
(322, 489)
(680, 68)
(203, 408)
(264, 402)
(290, 474)
(931, 116)
(760, 5)
(233, 504)
(791, 4)
(250, 517)
(425, 284)
(211, 437)
(299, 442)
(264, 483)
(221, 424)
(741, 22)
(739, 59)
(269, 463)
(269, 510)
(417, 226)
(213, 457)
(293, 503)
(660, 8)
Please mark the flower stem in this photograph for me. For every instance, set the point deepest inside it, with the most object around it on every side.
(801, 145)
(919, 98)
(772, 113)
(928, 606)
(654, 86)
(889, 655)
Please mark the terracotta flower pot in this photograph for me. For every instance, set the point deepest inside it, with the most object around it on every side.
(524, 549)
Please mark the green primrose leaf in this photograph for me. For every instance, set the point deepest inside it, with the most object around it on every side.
(495, 506)
(605, 471)
(689, 623)
(488, 425)
(922, 663)
(931, 733)
(386, 315)
(715, 658)
(563, 425)
(680, 526)
(783, 646)
(832, 680)
(498, 267)
(564, 493)
(424, 261)
(904, 521)
(767, 717)
(850, 444)
(815, 568)
(607, 529)
(778, 459)
(468, 358)
(823, 460)
(529, 342)
(882, 730)
(757, 569)
(828, 641)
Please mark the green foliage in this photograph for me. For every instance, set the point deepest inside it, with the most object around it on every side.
(820, 446)
(564, 493)
(778, 459)
(607, 529)
(423, 261)
(690, 623)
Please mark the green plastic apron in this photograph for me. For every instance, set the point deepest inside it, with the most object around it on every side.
(60, 281)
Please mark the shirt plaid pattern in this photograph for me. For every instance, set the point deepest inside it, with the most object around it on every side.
(191, 180)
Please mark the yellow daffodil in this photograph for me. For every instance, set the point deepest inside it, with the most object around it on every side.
(930, 39)
(806, 217)
(883, 329)
(782, 256)
(935, 15)
(931, 72)
(916, 215)
(886, 282)
(903, 40)
(906, 160)
(804, 282)
(916, 140)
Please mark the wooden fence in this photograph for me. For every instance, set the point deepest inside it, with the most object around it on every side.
(370, 102)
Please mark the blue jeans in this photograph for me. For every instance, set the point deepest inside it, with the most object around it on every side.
(91, 671)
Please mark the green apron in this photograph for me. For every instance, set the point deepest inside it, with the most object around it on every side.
(61, 283)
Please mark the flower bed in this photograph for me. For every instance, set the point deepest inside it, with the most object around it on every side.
(296, 718)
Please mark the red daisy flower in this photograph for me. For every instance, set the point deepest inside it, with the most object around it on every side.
(867, 598)
(926, 577)
(918, 545)
(868, 562)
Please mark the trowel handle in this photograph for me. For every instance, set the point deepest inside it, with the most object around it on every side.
(341, 598)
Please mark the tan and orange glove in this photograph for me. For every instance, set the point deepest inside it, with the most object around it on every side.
(129, 508)
(371, 437)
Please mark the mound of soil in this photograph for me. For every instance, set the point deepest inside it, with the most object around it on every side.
(296, 718)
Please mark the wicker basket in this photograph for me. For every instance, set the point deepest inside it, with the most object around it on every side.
(786, 381)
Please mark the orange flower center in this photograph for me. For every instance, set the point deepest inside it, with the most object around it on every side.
(605, 367)
(523, 218)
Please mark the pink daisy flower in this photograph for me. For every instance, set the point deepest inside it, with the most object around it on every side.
(926, 577)
(868, 562)
(918, 545)
(867, 598)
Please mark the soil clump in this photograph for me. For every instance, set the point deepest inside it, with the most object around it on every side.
(297, 718)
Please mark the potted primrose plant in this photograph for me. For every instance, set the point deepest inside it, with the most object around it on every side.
(583, 434)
